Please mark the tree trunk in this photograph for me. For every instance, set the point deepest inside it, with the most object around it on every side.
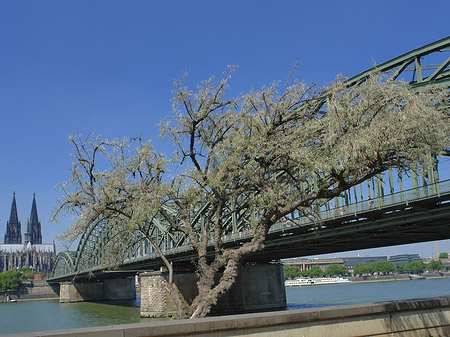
(202, 304)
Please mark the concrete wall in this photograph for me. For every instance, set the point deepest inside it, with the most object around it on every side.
(109, 289)
(33, 290)
(258, 288)
(414, 318)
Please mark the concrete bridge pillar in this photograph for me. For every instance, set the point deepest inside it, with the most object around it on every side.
(155, 298)
(258, 287)
(105, 290)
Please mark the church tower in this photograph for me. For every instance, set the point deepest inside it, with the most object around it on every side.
(13, 233)
(33, 233)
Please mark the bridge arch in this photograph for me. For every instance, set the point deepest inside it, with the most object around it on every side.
(100, 239)
(97, 243)
(414, 66)
(64, 264)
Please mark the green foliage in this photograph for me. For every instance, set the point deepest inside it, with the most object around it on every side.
(383, 267)
(443, 255)
(26, 273)
(10, 281)
(305, 273)
(435, 265)
(336, 270)
(362, 269)
(401, 268)
(291, 272)
(415, 267)
(316, 271)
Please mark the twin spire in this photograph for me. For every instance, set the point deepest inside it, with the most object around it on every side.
(33, 233)
(13, 233)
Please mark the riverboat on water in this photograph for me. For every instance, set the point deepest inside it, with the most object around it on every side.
(303, 281)
(298, 282)
(416, 277)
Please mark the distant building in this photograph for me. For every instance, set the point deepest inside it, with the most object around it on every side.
(306, 264)
(445, 262)
(33, 234)
(351, 262)
(13, 233)
(347, 262)
(404, 258)
(33, 253)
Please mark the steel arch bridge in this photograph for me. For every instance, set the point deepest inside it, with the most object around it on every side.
(424, 67)
(93, 244)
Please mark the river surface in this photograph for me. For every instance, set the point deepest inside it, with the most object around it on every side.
(52, 315)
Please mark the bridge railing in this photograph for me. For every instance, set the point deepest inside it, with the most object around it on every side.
(356, 210)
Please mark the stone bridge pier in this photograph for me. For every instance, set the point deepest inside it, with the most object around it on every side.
(104, 290)
(258, 287)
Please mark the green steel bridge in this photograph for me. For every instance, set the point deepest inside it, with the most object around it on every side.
(408, 209)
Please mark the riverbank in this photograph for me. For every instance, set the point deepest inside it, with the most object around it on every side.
(39, 290)
(34, 290)
(397, 277)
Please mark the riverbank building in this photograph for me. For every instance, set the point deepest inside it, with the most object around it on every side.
(29, 253)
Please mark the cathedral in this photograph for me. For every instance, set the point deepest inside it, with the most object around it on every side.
(32, 253)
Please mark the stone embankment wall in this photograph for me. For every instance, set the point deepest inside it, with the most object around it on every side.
(415, 318)
(34, 290)
(40, 289)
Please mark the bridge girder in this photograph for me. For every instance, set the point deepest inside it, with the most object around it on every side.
(93, 244)
(64, 263)
(439, 74)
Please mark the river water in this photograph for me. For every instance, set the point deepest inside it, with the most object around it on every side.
(52, 315)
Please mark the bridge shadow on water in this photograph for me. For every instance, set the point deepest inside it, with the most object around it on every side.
(136, 303)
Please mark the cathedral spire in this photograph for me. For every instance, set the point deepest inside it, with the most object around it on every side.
(33, 234)
(13, 233)
(34, 215)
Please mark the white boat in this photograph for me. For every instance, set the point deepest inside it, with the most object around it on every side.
(302, 281)
(331, 280)
(416, 277)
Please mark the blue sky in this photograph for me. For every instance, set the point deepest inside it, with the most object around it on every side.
(107, 67)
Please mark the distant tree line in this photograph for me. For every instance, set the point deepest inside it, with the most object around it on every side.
(436, 265)
(386, 267)
(315, 271)
(378, 267)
